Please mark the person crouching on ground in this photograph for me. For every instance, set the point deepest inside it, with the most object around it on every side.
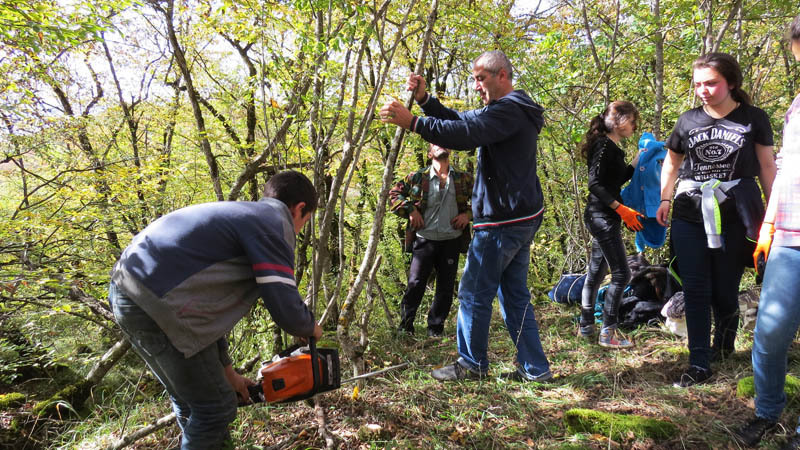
(190, 276)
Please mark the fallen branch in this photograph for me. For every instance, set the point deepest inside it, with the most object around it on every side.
(142, 432)
(322, 421)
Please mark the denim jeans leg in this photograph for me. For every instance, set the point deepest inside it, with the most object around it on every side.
(514, 297)
(694, 262)
(476, 292)
(201, 395)
(776, 326)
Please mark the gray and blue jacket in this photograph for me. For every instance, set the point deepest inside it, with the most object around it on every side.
(198, 270)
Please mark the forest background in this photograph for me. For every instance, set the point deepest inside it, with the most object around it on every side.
(113, 113)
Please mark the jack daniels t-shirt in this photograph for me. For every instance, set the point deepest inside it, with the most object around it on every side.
(717, 148)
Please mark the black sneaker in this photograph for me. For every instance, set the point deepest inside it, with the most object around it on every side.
(750, 434)
(455, 372)
(792, 444)
(691, 376)
(518, 375)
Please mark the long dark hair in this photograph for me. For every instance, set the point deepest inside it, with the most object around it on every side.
(794, 29)
(727, 66)
(615, 114)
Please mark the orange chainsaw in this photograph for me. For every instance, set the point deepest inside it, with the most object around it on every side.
(301, 373)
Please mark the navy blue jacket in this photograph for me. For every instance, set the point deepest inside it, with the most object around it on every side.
(507, 188)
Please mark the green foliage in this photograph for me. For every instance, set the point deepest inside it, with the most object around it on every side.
(38, 25)
(617, 426)
(746, 387)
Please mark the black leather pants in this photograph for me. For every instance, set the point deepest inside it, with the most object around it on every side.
(608, 251)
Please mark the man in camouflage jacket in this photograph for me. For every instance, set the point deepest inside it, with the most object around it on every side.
(436, 200)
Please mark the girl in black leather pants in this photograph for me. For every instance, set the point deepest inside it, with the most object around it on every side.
(603, 215)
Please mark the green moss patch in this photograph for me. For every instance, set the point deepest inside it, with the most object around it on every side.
(64, 402)
(11, 400)
(617, 426)
(677, 351)
(746, 387)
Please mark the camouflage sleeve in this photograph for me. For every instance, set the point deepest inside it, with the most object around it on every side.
(400, 199)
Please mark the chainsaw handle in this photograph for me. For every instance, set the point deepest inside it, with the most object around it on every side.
(312, 347)
(256, 392)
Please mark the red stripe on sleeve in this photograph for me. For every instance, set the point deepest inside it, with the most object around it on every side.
(278, 267)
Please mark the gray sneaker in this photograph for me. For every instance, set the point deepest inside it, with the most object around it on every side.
(455, 372)
(613, 338)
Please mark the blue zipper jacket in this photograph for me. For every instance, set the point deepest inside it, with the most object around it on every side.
(644, 192)
(198, 270)
(507, 188)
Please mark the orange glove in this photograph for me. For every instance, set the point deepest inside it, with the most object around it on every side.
(764, 242)
(630, 217)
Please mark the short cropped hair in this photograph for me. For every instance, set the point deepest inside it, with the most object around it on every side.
(494, 61)
(292, 187)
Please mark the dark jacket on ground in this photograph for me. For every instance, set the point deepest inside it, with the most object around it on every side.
(507, 188)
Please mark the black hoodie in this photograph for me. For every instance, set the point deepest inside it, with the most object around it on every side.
(507, 188)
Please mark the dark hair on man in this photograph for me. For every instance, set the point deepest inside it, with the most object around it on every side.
(794, 29)
(727, 66)
(292, 187)
(494, 61)
(616, 114)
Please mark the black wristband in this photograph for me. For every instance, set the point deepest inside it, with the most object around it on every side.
(665, 200)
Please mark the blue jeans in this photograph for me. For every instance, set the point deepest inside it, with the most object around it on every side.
(203, 400)
(497, 264)
(776, 326)
(710, 282)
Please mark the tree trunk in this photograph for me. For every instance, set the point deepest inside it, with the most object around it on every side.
(349, 348)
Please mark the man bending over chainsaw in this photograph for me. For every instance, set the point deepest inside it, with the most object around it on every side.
(190, 276)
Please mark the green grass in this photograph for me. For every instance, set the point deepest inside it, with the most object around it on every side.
(415, 411)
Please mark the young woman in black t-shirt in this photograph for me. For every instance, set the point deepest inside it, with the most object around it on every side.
(712, 148)
(602, 216)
